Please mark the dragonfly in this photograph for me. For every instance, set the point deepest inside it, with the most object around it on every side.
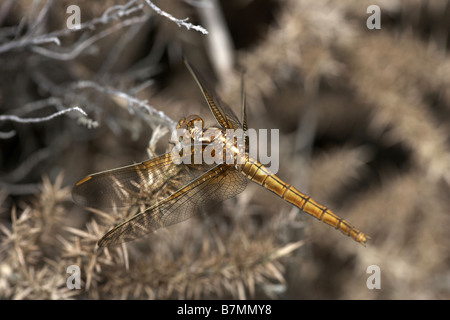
(169, 192)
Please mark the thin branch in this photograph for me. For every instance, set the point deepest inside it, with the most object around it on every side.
(73, 53)
(220, 44)
(38, 23)
(179, 22)
(8, 134)
(26, 42)
(110, 14)
(116, 52)
(35, 120)
(132, 101)
(36, 105)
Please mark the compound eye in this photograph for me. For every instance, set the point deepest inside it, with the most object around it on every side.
(191, 121)
(181, 124)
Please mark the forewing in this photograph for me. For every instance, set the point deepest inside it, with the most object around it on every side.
(223, 114)
(142, 183)
(219, 183)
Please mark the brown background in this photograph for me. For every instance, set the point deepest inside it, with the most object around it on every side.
(363, 118)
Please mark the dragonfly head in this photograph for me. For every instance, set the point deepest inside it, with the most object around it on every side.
(193, 125)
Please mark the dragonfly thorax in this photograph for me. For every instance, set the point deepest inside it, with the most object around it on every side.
(212, 145)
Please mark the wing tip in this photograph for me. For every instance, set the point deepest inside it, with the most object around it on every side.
(83, 181)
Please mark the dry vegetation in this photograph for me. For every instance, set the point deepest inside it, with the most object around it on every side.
(363, 118)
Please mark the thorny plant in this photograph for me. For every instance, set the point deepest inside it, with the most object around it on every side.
(363, 117)
(40, 241)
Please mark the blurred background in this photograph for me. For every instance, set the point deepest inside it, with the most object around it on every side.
(363, 117)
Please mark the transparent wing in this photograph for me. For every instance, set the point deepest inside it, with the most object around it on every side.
(142, 183)
(217, 184)
(223, 114)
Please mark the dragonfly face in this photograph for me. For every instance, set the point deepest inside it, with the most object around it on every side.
(172, 192)
(192, 125)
